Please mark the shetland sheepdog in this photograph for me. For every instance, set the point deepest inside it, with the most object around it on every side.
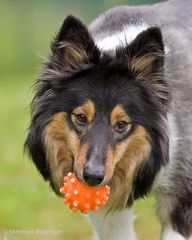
(114, 105)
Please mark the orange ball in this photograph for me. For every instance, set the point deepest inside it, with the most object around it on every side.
(82, 197)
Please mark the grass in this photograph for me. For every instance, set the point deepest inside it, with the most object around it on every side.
(27, 203)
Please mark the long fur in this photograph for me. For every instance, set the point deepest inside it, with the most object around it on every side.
(136, 82)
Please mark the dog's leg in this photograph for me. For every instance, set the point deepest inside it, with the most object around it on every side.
(113, 225)
(165, 205)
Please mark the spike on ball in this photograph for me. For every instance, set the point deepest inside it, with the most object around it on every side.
(82, 197)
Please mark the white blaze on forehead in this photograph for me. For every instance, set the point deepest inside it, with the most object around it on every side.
(122, 38)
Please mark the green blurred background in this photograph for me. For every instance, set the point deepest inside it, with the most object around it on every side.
(26, 202)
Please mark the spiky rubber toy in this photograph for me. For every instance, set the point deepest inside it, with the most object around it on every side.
(82, 197)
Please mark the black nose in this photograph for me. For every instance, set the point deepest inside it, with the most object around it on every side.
(93, 177)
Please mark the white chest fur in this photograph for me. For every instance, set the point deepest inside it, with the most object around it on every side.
(114, 225)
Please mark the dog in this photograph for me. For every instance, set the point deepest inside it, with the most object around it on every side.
(114, 105)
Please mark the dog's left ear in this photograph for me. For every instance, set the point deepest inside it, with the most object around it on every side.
(144, 57)
(72, 46)
(146, 54)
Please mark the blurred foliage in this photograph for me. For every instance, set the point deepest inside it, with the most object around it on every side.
(26, 29)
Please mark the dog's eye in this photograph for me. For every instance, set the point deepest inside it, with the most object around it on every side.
(121, 126)
(81, 119)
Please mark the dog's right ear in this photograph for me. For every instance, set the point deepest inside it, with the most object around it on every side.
(72, 46)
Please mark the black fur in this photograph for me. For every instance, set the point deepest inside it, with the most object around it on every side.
(107, 81)
(181, 216)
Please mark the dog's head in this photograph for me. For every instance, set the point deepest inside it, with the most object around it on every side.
(101, 115)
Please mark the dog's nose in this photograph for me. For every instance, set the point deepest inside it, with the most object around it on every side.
(93, 177)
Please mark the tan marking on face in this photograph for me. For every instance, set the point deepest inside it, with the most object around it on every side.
(122, 164)
(61, 143)
(118, 114)
(88, 109)
(80, 161)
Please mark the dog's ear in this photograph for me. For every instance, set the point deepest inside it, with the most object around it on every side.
(72, 46)
(145, 55)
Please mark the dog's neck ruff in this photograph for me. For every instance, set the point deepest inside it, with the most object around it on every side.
(121, 38)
